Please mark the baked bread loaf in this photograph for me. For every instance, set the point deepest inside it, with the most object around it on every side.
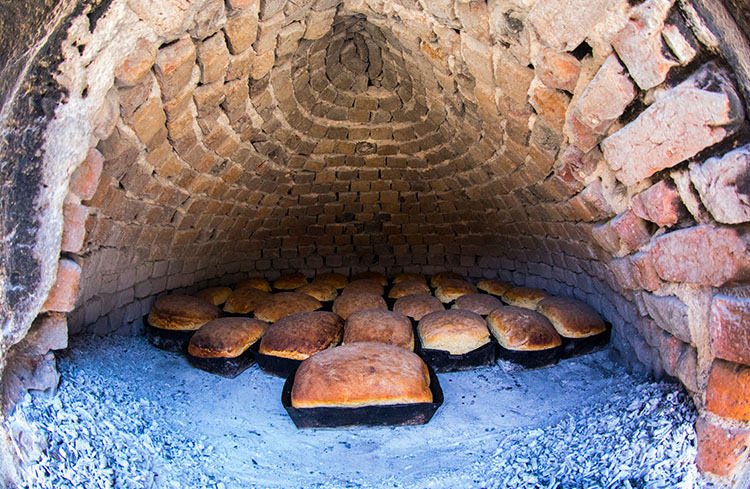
(524, 297)
(243, 301)
(408, 287)
(438, 278)
(417, 306)
(290, 281)
(571, 318)
(520, 329)
(481, 304)
(450, 290)
(403, 277)
(215, 295)
(345, 304)
(368, 286)
(283, 304)
(254, 283)
(181, 313)
(322, 292)
(454, 331)
(226, 337)
(337, 280)
(494, 287)
(377, 276)
(361, 374)
(300, 335)
(376, 326)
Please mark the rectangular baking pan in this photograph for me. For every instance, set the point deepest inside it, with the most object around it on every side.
(166, 339)
(442, 361)
(342, 417)
(226, 367)
(575, 347)
(271, 365)
(529, 360)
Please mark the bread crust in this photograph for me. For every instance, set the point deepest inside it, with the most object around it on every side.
(439, 277)
(300, 335)
(408, 287)
(572, 318)
(226, 337)
(520, 329)
(338, 280)
(481, 304)
(290, 281)
(361, 374)
(377, 276)
(346, 304)
(450, 290)
(215, 295)
(418, 305)
(494, 287)
(403, 277)
(254, 283)
(245, 300)
(181, 313)
(284, 304)
(527, 297)
(376, 326)
(454, 331)
(319, 291)
(368, 286)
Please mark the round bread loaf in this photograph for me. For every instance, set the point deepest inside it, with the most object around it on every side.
(524, 297)
(571, 318)
(438, 278)
(321, 292)
(520, 329)
(181, 313)
(376, 326)
(300, 335)
(283, 304)
(417, 306)
(215, 295)
(337, 280)
(346, 304)
(226, 337)
(290, 281)
(408, 287)
(243, 301)
(367, 286)
(494, 287)
(454, 331)
(481, 304)
(361, 374)
(450, 290)
(254, 283)
(403, 277)
(377, 276)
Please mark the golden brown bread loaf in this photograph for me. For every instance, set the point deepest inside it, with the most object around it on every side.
(284, 304)
(367, 286)
(290, 281)
(215, 295)
(345, 304)
(376, 326)
(181, 313)
(300, 335)
(403, 277)
(481, 304)
(337, 280)
(408, 287)
(454, 331)
(377, 276)
(571, 318)
(243, 301)
(321, 292)
(254, 283)
(524, 297)
(520, 329)
(226, 337)
(450, 290)
(439, 277)
(494, 287)
(361, 374)
(418, 305)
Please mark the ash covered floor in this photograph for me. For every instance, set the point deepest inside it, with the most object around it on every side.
(130, 416)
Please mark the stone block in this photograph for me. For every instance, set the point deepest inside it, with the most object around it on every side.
(563, 24)
(721, 450)
(262, 64)
(623, 234)
(148, 121)
(557, 70)
(85, 179)
(660, 204)
(670, 313)
(174, 67)
(550, 104)
(269, 8)
(62, 296)
(513, 78)
(241, 30)
(74, 227)
(208, 19)
(268, 32)
(478, 57)
(723, 184)
(319, 23)
(213, 59)
(48, 332)
(168, 17)
(729, 328)
(136, 64)
(475, 19)
(687, 368)
(728, 390)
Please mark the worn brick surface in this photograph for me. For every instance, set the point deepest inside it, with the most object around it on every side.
(174, 67)
(724, 185)
(62, 296)
(720, 450)
(729, 327)
(728, 391)
(660, 204)
(137, 63)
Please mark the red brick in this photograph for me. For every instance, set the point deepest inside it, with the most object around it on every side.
(660, 204)
(631, 230)
(74, 227)
(721, 450)
(550, 104)
(62, 296)
(728, 391)
(623, 269)
(213, 58)
(174, 67)
(137, 63)
(241, 31)
(644, 272)
(475, 19)
(670, 350)
(729, 327)
(557, 70)
(241, 3)
(85, 179)
(148, 121)
(722, 185)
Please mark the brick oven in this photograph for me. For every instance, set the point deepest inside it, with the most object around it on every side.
(595, 149)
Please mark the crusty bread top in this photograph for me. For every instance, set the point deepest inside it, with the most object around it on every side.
(361, 374)
(438, 278)
(524, 296)
(254, 283)
(417, 305)
(337, 280)
(403, 277)
(243, 301)
(283, 304)
(408, 287)
(322, 292)
(298, 336)
(572, 318)
(454, 330)
(346, 304)
(521, 329)
(290, 281)
(451, 289)
(379, 277)
(481, 304)
(181, 313)
(368, 286)
(494, 287)
(215, 295)
(376, 326)
(226, 337)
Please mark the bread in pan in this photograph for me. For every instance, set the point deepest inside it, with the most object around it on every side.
(494, 287)
(408, 287)
(403, 277)
(524, 297)
(346, 304)
(368, 286)
(451, 289)
(284, 304)
(244, 301)
(418, 305)
(290, 281)
(337, 280)
(454, 331)
(300, 335)
(438, 278)
(322, 292)
(215, 295)
(226, 337)
(571, 318)
(520, 329)
(361, 374)
(254, 283)
(481, 304)
(181, 313)
(379, 277)
(376, 326)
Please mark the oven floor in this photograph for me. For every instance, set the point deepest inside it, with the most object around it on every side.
(128, 415)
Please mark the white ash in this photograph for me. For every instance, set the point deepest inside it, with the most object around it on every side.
(130, 416)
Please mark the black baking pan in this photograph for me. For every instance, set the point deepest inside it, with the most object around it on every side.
(575, 347)
(272, 365)
(529, 360)
(442, 361)
(166, 339)
(226, 367)
(342, 417)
